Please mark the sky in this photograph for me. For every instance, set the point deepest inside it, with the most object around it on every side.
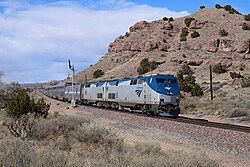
(37, 37)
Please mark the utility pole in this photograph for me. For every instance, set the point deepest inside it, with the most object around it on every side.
(211, 83)
(71, 67)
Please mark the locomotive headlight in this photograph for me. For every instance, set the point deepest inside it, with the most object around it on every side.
(169, 93)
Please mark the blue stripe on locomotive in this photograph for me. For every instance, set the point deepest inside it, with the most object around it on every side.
(171, 84)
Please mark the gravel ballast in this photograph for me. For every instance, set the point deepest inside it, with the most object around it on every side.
(223, 140)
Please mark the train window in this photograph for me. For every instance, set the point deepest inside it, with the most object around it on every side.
(133, 82)
(93, 85)
(99, 95)
(87, 85)
(173, 81)
(140, 81)
(161, 80)
(111, 95)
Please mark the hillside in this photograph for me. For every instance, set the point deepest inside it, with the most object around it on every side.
(160, 41)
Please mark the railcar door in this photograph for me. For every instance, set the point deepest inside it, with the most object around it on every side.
(105, 92)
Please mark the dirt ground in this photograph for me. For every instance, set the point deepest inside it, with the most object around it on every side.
(133, 134)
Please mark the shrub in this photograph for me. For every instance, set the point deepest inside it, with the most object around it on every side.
(56, 126)
(231, 11)
(188, 21)
(187, 82)
(218, 6)
(247, 17)
(183, 38)
(196, 90)
(184, 31)
(195, 34)
(234, 75)
(236, 112)
(21, 104)
(245, 82)
(98, 73)
(127, 34)
(13, 88)
(228, 7)
(219, 69)
(186, 69)
(165, 19)
(190, 79)
(171, 19)
(21, 127)
(223, 32)
(242, 67)
(146, 66)
(245, 26)
(202, 7)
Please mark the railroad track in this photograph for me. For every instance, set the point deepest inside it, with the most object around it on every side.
(204, 122)
(194, 121)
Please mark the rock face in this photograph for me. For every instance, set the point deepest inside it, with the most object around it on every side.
(160, 41)
(165, 36)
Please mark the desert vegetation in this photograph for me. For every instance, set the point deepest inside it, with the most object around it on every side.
(228, 8)
(245, 26)
(218, 6)
(202, 7)
(195, 34)
(146, 66)
(98, 73)
(245, 82)
(187, 81)
(223, 33)
(165, 19)
(20, 104)
(184, 33)
(188, 21)
(234, 75)
(239, 107)
(219, 68)
(69, 141)
(247, 17)
(171, 19)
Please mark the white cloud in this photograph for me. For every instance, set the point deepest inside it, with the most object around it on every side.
(37, 40)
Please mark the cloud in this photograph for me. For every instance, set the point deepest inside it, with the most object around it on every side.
(37, 39)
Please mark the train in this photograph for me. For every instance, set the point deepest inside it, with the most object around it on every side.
(154, 95)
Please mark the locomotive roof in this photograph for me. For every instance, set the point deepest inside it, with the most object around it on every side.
(126, 79)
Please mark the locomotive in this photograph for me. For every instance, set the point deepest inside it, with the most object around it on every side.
(154, 95)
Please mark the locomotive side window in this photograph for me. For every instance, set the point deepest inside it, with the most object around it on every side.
(99, 95)
(133, 82)
(87, 85)
(111, 95)
(140, 81)
(161, 80)
(173, 81)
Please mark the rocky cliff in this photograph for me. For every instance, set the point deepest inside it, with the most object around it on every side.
(160, 41)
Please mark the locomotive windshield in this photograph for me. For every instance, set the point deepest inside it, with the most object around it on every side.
(163, 80)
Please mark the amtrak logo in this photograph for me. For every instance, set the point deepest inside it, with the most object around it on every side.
(138, 91)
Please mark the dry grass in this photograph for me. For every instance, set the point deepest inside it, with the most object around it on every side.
(66, 141)
(233, 106)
